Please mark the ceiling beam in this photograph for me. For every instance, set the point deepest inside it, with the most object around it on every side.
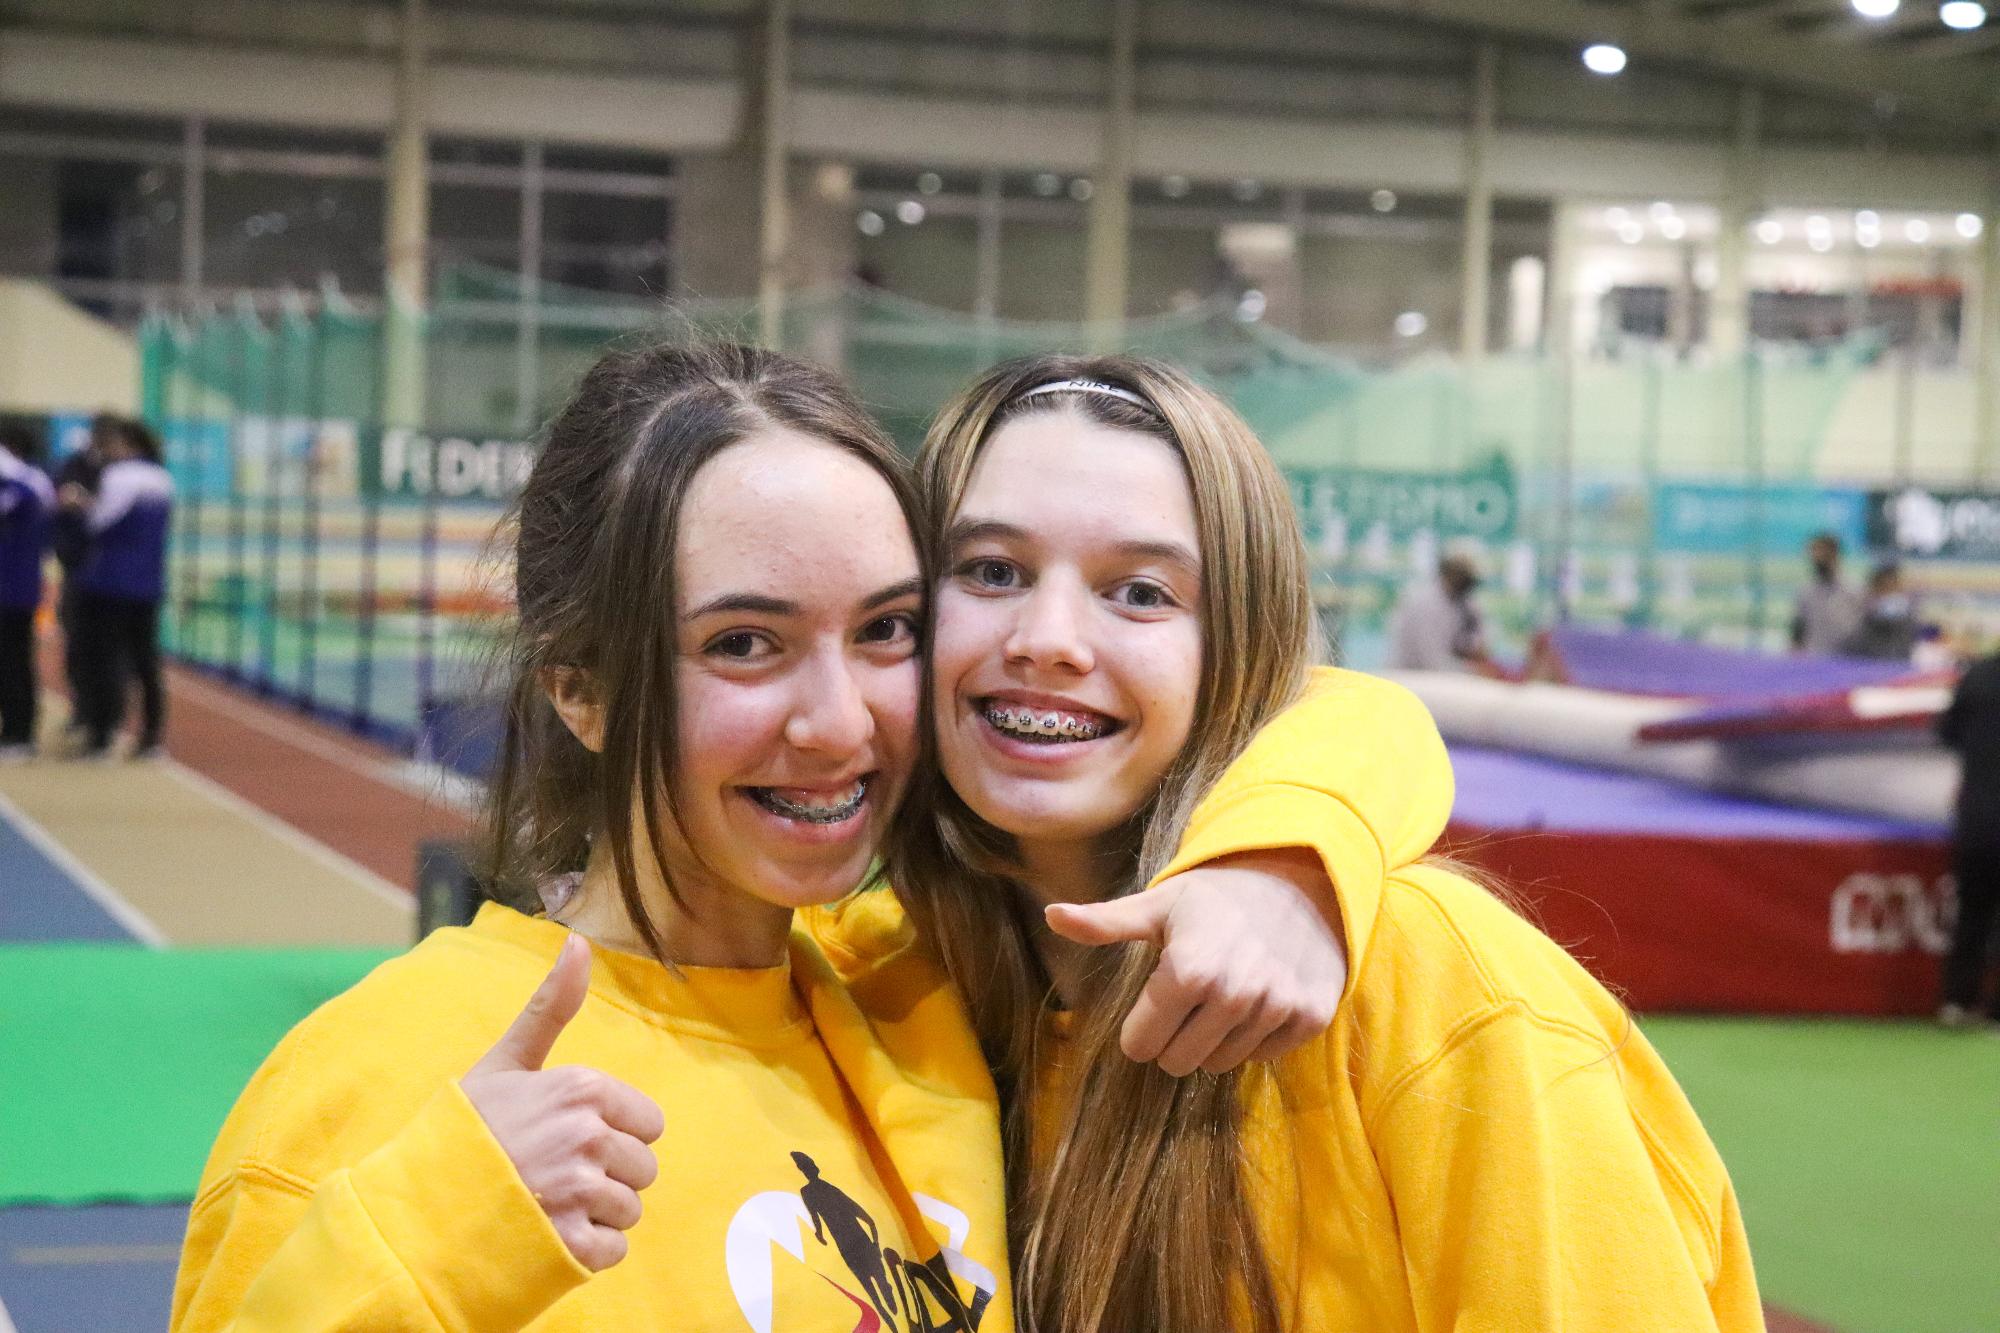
(1740, 49)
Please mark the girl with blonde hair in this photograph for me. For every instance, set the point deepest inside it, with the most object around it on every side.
(1481, 1139)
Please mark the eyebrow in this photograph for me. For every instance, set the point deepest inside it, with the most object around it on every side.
(759, 604)
(990, 529)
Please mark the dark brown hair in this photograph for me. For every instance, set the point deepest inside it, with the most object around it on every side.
(1140, 1215)
(593, 533)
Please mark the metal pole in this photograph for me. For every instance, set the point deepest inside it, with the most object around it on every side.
(1107, 257)
(1476, 280)
(775, 124)
(407, 242)
(1986, 365)
(986, 273)
(194, 196)
(1729, 311)
(528, 331)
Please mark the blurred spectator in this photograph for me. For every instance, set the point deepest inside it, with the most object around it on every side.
(79, 471)
(120, 585)
(1436, 627)
(27, 513)
(1888, 630)
(1828, 610)
(1971, 726)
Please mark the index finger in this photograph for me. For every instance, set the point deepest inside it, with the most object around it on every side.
(629, 1110)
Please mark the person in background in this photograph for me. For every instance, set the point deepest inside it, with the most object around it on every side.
(1971, 726)
(1436, 627)
(27, 509)
(1828, 610)
(1889, 628)
(120, 584)
(71, 540)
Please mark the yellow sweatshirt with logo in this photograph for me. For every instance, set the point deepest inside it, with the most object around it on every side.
(1482, 1141)
(355, 1187)
(813, 1174)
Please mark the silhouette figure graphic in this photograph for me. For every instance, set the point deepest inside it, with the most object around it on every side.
(853, 1232)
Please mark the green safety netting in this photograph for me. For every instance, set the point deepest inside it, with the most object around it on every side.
(328, 549)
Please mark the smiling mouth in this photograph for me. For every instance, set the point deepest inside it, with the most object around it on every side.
(813, 810)
(1044, 726)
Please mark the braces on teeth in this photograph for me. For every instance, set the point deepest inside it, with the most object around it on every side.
(1026, 722)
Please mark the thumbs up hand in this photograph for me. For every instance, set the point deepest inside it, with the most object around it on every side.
(1251, 966)
(576, 1135)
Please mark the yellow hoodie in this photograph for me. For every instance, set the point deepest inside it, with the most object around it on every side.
(355, 1187)
(1482, 1141)
(813, 1174)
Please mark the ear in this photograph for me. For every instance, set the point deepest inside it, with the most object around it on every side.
(578, 702)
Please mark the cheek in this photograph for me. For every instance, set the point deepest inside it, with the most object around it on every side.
(965, 631)
(724, 728)
(893, 696)
(1172, 678)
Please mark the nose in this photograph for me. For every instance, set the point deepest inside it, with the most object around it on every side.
(830, 714)
(1049, 628)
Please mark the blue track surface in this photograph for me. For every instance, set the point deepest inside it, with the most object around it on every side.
(106, 1269)
(41, 901)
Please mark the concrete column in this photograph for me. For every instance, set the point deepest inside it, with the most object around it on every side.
(1559, 284)
(1476, 282)
(774, 156)
(194, 195)
(528, 331)
(986, 273)
(1729, 305)
(1107, 258)
(407, 242)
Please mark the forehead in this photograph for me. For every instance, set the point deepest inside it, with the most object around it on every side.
(1062, 473)
(779, 510)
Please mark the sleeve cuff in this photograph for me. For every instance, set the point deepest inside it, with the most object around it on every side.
(1277, 814)
(445, 1190)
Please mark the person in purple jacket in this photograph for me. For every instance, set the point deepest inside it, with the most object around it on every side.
(27, 514)
(120, 583)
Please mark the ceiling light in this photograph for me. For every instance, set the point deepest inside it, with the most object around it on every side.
(1383, 201)
(929, 182)
(1962, 14)
(1917, 230)
(1770, 231)
(1969, 226)
(910, 212)
(1661, 211)
(869, 222)
(1867, 239)
(1174, 187)
(1411, 324)
(1673, 228)
(1081, 189)
(1604, 58)
(1867, 217)
(1820, 242)
(1616, 217)
(1877, 9)
(1631, 233)
(1246, 189)
(1048, 184)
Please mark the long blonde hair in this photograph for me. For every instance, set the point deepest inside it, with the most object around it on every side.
(1143, 1219)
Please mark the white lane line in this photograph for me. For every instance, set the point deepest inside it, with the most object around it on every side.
(131, 918)
(285, 833)
(6, 1322)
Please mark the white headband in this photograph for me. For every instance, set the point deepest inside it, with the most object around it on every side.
(1089, 386)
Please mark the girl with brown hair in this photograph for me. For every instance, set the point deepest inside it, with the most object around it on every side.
(712, 716)
(1480, 1141)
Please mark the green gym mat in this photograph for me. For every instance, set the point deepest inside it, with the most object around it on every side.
(1867, 1155)
(1867, 1159)
(118, 1063)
